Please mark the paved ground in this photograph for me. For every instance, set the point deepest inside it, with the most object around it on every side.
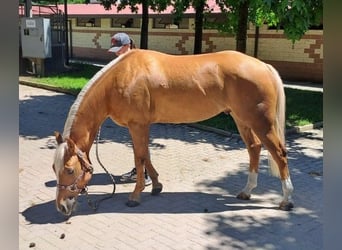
(201, 173)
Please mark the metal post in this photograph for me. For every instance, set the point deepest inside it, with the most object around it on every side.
(70, 39)
(66, 32)
(28, 13)
(28, 8)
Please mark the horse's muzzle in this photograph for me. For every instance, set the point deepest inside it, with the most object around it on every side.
(67, 206)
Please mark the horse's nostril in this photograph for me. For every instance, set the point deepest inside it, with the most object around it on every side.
(70, 197)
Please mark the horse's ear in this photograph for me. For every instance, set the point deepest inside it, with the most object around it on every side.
(71, 145)
(59, 137)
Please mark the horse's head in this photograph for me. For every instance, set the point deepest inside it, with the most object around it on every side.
(73, 171)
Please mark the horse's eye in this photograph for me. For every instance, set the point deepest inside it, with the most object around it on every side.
(70, 171)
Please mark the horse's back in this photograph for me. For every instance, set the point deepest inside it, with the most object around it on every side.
(190, 88)
(211, 67)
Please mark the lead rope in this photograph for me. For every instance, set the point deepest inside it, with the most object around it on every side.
(95, 205)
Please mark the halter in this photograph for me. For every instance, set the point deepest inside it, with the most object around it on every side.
(86, 167)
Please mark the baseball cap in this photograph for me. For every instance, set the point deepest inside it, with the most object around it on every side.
(118, 41)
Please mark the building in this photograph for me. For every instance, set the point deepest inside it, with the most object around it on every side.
(91, 27)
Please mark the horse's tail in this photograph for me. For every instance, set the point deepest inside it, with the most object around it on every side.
(279, 119)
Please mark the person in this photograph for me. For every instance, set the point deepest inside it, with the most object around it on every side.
(120, 44)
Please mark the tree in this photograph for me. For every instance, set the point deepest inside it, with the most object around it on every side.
(200, 7)
(294, 16)
(242, 26)
(156, 5)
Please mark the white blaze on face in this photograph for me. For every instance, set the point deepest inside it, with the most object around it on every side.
(66, 205)
(59, 161)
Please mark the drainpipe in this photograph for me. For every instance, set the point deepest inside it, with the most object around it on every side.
(256, 42)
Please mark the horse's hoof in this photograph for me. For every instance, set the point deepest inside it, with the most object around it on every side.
(157, 190)
(243, 196)
(132, 203)
(286, 206)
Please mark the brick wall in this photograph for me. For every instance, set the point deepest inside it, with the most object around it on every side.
(302, 61)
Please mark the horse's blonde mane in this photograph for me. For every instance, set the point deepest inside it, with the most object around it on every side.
(74, 108)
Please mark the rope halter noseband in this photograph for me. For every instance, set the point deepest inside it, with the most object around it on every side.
(86, 168)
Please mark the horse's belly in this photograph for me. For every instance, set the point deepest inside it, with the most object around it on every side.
(185, 112)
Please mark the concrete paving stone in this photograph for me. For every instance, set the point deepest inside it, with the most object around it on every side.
(201, 172)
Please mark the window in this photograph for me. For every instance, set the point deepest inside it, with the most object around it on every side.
(312, 27)
(88, 22)
(125, 22)
(214, 21)
(316, 27)
(168, 22)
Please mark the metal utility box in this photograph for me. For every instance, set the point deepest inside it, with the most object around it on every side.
(35, 37)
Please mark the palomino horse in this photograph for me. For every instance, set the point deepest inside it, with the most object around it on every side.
(143, 87)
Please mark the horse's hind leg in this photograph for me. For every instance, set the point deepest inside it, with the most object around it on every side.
(254, 147)
(276, 148)
(140, 138)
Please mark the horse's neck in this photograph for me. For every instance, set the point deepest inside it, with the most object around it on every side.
(83, 134)
(86, 121)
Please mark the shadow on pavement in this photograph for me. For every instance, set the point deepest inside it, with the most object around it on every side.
(97, 179)
(166, 202)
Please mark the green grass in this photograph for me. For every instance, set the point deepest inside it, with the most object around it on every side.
(73, 80)
(302, 107)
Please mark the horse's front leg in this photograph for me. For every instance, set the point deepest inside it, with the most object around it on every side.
(156, 185)
(140, 138)
(134, 197)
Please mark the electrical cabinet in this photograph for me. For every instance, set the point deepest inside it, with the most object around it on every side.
(35, 37)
